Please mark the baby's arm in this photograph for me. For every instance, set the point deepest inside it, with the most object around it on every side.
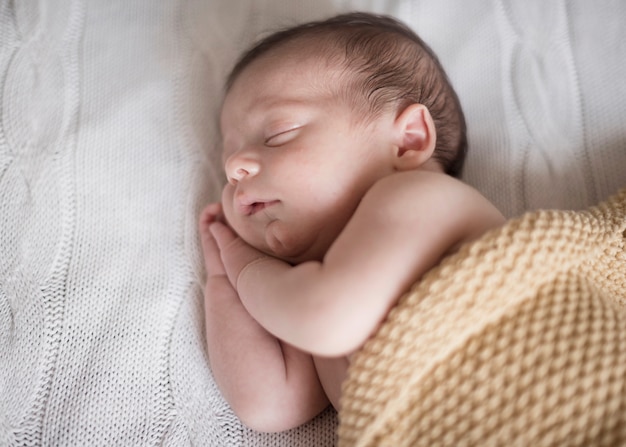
(401, 229)
(270, 385)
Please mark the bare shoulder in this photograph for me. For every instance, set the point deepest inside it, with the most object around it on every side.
(431, 198)
(404, 225)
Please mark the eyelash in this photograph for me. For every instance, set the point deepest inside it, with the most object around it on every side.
(270, 141)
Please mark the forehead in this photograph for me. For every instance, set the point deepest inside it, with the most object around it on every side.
(287, 74)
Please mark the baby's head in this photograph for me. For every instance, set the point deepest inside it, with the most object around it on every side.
(315, 115)
(384, 64)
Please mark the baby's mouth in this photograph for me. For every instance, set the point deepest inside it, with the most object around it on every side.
(252, 208)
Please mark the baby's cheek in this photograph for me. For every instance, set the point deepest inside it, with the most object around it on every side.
(227, 204)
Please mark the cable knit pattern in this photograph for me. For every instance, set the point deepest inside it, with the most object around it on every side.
(518, 339)
(40, 102)
(109, 150)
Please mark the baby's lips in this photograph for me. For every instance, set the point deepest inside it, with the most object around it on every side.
(251, 207)
(245, 203)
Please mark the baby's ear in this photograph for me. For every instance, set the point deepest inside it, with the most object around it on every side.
(415, 137)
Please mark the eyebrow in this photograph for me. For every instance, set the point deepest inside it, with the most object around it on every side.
(270, 102)
(270, 105)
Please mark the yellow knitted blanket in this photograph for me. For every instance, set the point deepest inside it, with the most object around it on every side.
(517, 339)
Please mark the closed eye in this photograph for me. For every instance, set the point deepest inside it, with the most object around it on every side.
(282, 137)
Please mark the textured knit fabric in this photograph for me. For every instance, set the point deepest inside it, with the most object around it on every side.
(518, 339)
(109, 150)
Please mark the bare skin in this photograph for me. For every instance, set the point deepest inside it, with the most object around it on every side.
(329, 223)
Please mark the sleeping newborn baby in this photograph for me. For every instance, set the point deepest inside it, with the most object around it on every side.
(342, 143)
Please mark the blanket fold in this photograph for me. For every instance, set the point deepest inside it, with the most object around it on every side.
(519, 338)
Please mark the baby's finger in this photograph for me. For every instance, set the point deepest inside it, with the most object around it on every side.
(212, 259)
(222, 234)
(211, 213)
(211, 253)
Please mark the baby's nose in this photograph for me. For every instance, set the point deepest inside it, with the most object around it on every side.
(240, 166)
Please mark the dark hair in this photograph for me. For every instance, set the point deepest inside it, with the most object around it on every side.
(392, 66)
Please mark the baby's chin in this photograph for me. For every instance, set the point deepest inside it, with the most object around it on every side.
(285, 246)
(286, 252)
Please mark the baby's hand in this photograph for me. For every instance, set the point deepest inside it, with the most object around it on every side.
(235, 253)
(218, 289)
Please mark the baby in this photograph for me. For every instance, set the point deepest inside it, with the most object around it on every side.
(341, 143)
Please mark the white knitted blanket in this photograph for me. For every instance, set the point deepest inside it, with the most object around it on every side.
(107, 154)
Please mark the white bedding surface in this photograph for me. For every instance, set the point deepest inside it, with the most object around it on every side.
(108, 152)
